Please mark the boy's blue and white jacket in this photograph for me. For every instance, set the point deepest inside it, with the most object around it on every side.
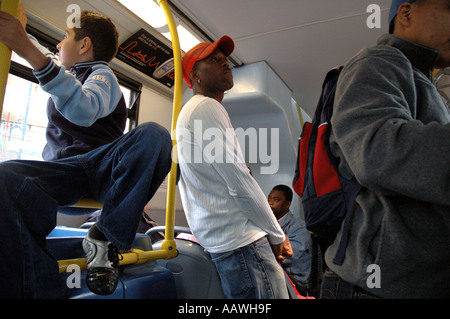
(86, 108)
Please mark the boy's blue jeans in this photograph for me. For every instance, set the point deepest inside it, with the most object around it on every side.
(123, 175)
(251, 272)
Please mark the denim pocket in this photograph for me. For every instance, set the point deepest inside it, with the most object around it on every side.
(233, 271)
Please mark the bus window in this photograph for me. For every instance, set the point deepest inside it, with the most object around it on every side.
(24, 119)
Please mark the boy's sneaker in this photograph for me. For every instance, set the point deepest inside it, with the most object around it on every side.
(102, 265)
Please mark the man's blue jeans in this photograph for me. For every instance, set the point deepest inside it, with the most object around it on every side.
(123, 175)
(251, 272)
(334, 287)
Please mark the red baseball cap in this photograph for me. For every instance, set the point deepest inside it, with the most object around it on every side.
(202, 51)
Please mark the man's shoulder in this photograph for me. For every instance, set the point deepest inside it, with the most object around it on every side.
(293, 221)
(380, 54)
(377, 54)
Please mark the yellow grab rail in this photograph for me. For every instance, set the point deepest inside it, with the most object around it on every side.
(134, 256)
(178, 94)
(11, 7)
(88, 203)
(168, 246)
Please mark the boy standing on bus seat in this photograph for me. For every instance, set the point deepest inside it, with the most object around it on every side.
(224, 206)
(391, 131)
(123, 174)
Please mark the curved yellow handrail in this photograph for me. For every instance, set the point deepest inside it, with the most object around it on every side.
(168, 247)
(88, 203)
(11, 7)
(178, 94)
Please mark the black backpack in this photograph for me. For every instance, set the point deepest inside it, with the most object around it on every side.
(327, 197)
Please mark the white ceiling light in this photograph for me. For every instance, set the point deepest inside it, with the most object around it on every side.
(151, 13)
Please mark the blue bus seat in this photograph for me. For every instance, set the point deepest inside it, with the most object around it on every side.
(144, 281)
(194, 272)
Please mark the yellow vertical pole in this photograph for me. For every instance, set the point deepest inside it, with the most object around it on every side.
(169, 242)
(300, 115)
(11, 7)
(435, 71)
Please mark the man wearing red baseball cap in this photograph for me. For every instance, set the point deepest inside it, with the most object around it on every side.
(226, 209)
(202, 51)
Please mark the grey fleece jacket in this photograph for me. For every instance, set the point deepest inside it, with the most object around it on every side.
(390, 129)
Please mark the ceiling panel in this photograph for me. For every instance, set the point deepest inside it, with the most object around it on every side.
(300, 39)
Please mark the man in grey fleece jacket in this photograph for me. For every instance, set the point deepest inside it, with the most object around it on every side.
(390, 129)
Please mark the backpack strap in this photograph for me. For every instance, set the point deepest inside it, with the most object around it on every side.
(353, 189)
